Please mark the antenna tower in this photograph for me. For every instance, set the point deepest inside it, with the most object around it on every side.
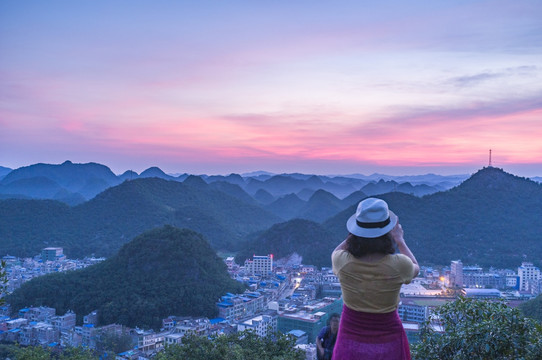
(490, 158)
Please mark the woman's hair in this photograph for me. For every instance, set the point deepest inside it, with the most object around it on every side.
(359, 246)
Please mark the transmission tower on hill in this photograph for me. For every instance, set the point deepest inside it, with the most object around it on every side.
(490, 165)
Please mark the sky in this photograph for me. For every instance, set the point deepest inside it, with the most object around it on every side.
(325, 87)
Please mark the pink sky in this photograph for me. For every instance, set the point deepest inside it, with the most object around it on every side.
(397, 87)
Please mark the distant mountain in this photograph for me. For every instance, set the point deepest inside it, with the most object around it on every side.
(286, 207)
(4, 171)
(233, 190)
(235, 179)
(304, 237)
(45, 180)
(164, 271)
(263, 197)
(383, 187)
(100, 226)
(155, 172)
(490, 219)
(321, 206)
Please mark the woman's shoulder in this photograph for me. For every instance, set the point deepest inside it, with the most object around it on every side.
(401, 263)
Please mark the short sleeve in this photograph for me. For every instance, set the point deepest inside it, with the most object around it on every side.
(405, 267)
(339, 258)
(322, 333)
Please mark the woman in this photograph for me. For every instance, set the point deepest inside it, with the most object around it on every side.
(371, 275)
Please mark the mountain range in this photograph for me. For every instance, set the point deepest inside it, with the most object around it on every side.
(76, 183)
(489, 219)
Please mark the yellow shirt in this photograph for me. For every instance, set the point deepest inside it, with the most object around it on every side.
(372, 286)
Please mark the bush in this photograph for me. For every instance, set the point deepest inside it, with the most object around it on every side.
(475, 329)
(238, 346)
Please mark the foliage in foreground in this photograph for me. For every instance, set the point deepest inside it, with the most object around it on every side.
(39, 353)
(475, 329)
(238, 346)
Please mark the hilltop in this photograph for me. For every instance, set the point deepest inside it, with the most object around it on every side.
(490, 219)
(161, 272)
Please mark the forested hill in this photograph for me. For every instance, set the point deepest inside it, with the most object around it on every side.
(100, 226)
(165, 271)
(491, 219)
(304, 237)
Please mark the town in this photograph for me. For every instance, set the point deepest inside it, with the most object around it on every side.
(283, 295)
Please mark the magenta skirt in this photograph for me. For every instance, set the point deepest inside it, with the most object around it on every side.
(370, 336)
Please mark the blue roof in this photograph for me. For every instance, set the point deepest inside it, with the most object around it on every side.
(52, 344)
(217, 320)
(89, 325)
(224, 304)
(297, 333)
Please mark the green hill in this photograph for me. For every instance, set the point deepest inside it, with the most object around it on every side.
(307, 238)
(490, 219)
(100, 226)
(162, 272)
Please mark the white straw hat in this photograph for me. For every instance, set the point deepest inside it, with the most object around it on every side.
(372, 219)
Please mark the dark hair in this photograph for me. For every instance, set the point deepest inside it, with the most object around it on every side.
(359, 246)
(333, 316)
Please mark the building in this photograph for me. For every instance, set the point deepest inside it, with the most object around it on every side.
(528, 276)
(259, 265)
(482, 293)
(299, 336)
(64, 322)
(233, 307)
(52, 254)
(262, 325)
(309, 318)
(418, 309)
(456, 273)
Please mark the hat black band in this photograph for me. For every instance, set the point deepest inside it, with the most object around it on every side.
(373, 225)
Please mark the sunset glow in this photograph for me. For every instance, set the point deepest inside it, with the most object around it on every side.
(320, 87)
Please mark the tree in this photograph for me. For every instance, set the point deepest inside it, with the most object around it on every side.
(39, 353)
(113, 342)
(532, 308)
(238, 346)
(475, 329)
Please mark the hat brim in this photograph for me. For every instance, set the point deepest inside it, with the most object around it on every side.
(353, 227)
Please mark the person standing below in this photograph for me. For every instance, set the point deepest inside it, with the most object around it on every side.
(371, 275)
(325, 341)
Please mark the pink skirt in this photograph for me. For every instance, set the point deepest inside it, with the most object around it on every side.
(370, 336)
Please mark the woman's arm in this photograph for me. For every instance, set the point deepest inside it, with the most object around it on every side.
(397, 236)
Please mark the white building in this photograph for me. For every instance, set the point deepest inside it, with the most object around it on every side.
(262, 325)
(529, 275)
(259, 265)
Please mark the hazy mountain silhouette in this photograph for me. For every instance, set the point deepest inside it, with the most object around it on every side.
(162, 272)
(286, 207)
(46, 181)
(157, 173)
(103, 224)
(4, 171)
